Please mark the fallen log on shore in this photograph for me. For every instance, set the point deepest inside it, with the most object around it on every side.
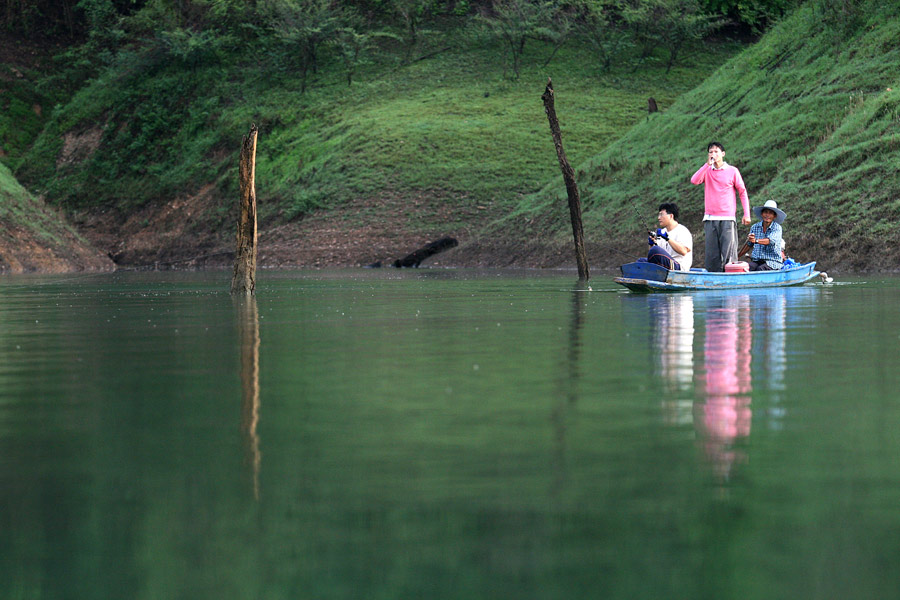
(426, 251)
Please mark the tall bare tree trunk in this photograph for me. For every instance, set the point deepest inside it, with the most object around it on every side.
(244, 279)
(571, 187)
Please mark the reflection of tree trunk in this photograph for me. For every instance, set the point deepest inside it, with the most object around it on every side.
(248, 320)
(244, 279)
(568, 396)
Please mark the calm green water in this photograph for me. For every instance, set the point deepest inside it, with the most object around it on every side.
(446, 434)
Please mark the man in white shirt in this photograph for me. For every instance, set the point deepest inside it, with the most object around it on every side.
(672, 244)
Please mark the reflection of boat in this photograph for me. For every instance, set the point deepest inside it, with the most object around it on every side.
(650, 277)
(672, 334)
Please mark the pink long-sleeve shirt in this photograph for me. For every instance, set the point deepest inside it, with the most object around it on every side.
(718, 191)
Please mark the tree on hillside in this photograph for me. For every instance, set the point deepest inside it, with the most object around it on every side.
(40, 16)
(55, 17)
(515, 21)
(669, 24)
(411, 14)
(305, 25)
(178, 13)
(102, 23)
(599, 23)
(842, 17)
(757, 14)
(558, 30)
(353, 46)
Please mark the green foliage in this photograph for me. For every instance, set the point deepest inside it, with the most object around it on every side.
(808, 125)
(19, 209)
(20, 123)
(85, 61)
(354, 47)
(194, 49)
(757, 14)
(54, 17)
(166, 115)
(304, 26)
(150, 130)
(514, 22)
(411, 14)
(669, 24)
(599, 23)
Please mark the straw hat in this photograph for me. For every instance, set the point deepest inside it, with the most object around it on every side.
(773, 206)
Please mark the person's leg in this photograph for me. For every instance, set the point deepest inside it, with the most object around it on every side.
(712, 259)
(662, 258)
(759, 265)
(728, 242)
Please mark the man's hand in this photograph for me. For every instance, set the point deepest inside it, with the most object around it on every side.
(745, 220)
(662, 233)
(751, 239)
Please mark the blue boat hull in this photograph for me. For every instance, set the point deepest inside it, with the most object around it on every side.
(650, 277)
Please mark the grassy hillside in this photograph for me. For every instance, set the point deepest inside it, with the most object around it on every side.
(450, 144)
(160, 126)
(810, 115)
(35, 238)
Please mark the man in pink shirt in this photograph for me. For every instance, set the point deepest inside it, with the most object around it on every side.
(720, 180)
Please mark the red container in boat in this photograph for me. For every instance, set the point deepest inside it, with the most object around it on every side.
(737, 267)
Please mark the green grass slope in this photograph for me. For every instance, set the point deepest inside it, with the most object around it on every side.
(157, 126)
(810, 115)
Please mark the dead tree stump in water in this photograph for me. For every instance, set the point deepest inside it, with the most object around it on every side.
(244, 279)
(569, 178)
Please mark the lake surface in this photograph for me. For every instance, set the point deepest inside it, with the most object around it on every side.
(446, 434)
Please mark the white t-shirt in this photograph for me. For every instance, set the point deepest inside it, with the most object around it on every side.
(681, 235)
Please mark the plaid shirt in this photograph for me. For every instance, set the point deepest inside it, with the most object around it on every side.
(770, 253)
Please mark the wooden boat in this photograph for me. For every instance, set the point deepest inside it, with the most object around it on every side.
(650, 277)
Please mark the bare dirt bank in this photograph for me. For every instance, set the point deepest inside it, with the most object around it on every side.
(31, 250)
(191, 233)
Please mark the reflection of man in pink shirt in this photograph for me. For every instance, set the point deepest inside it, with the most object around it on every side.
(720, 180)
(726, 414)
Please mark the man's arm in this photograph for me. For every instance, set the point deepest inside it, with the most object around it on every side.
(680, 240)
(774, 236)
(700, 176)
(678, 247)
(742, 192)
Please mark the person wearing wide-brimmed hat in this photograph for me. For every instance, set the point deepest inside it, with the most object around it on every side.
(765, 238)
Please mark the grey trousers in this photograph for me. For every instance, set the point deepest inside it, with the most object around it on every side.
(721, 244)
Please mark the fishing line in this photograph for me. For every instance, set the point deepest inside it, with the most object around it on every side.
(614, 249)
(3, 288)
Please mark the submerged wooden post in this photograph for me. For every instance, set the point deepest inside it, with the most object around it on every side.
(244, 279)
(571, 187)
